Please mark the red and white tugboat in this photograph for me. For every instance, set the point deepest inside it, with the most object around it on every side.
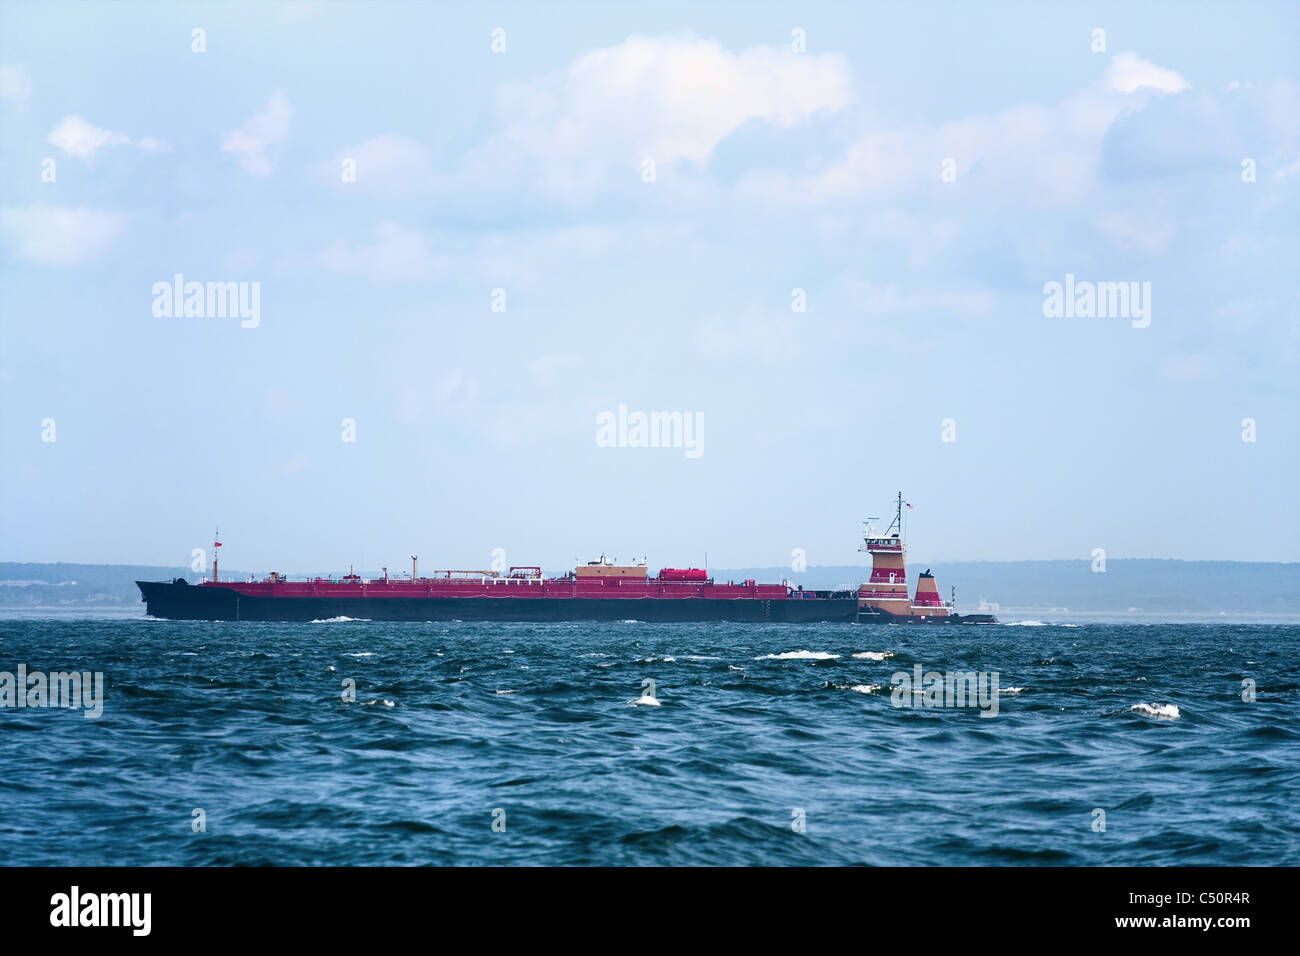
(884, 598)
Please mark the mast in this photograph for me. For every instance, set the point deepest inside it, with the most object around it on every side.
(216, 543)
(898, 518)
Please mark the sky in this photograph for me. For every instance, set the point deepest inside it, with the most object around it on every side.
(825, 233)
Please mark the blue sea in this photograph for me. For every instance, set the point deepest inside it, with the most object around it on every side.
(520, 744)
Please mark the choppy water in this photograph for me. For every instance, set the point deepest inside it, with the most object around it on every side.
(455, 721)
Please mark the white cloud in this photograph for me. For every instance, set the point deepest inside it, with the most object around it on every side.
(666, 99)
(60, 235)
(15, 85)
(258, 143)
(1031, 154)
(1127, 73)
(78, 137)
(150, 144)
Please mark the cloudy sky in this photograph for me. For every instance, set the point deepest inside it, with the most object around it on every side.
(646, 194)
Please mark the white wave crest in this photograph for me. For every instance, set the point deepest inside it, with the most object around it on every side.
(873, 655)
(1160, 711)
(798, 656)
(341, 620)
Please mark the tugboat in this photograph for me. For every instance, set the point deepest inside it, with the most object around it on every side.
(884, 599)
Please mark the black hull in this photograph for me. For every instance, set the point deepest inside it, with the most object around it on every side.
(877, 616)
(186, 602)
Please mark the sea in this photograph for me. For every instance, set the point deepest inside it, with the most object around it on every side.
(357, 743)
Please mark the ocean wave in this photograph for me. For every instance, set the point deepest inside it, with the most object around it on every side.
(644, 701)
(1160, 711)
(798, 656)
(1011, 690)
(874, 655)
(341, 620)
(1025, 624)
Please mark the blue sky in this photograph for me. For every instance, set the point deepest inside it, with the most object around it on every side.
(523, 170)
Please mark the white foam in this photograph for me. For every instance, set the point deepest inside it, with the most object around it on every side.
(363, 654)
(1011, 690)
(631, 621)
(798, 656)
(505, 692)
(644, 702)
(874, 655)
(341, 620)
(865, 688)
(1025, 624)
(1161, 711)
(701, 657)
